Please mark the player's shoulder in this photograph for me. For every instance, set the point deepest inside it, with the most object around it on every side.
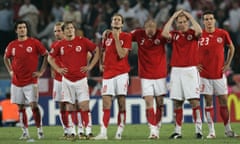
(126, 34)
(220, 30)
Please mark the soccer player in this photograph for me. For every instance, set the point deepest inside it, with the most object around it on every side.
(184, 77)
(73, 51)
(57, 78)
(152, 71)
(115, 75)
(21, 60)
(212, 67)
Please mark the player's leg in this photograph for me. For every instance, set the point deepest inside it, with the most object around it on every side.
(121, 88)
(107, 103)
(207, 90)
(176, 94)
(222, 93)
(160, 90)
(18, 97)
(225, 116)
(32, 95)
(197, 117)
(147, 87)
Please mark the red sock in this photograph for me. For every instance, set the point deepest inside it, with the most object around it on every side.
(85, 118)
(37, 116)
(106, 117)
(121, 117)
(65, 118)
(179, 116)
(196, 113)
(151, 116)
(158, 114)
(24, 117)
(74, 117)
(224, 114)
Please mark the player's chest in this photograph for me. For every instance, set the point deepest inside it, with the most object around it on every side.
(22, 50)
(210, 40)
(72, 48)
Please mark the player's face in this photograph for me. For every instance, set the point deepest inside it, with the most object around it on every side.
(150, 29)
(69, 31)
(117, 22)
(58, 32)
(21, 30)
(182, 23)
(209, 21)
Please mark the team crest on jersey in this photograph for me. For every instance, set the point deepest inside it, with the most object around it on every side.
(13, 51)
(108, 42)
(157, 41)
(29, 49)
(189, 37)
(78, 48)
(219, 40)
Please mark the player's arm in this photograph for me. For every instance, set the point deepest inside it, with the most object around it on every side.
(231, 50)
(43, 67)
(168, 25)
(122, 52)
(93, 62)
(51, 61)
(7, 62)
(195, 25)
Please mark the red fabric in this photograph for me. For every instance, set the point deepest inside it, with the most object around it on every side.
(85, 118)
(74, 117)
(179, 116)
(151, 116)
(24, 118)
(106, 117)
(37, 116)
(151, 54)
(224, 114)
(194, 112)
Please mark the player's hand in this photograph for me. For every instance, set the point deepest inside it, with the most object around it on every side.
(226, 68)
(115, 34)
(85, 69)
(200, 68)
(106, 33)
(62, 71)
(37, 74)
(175, 15)
(11, 74)
(101, 67)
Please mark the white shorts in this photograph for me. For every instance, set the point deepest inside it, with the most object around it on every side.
(25, 94)
(153, 87)
(115, 86)
(214, 86)
(75, 91)
(184, 83)
(57, 90)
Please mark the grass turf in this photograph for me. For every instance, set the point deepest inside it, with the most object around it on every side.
(133, 134)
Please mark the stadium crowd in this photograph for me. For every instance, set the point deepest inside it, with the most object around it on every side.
(93, 17)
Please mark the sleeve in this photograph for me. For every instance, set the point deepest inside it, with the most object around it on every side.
(127, 41)
(8, 51)
(41, 49)
(228, 40)
(90, 45)
(133, 34)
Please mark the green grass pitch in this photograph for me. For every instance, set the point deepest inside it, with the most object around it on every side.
(133, 134)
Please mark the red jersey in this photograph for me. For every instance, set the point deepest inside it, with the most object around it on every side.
(113, 65)
(151, 54)
(212, 52)
(58, 62)
(24, 56)
(184, 49)
(73, 55)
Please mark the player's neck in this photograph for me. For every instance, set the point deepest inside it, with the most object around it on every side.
(22, 38)
(69, 38)
(210, 30)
